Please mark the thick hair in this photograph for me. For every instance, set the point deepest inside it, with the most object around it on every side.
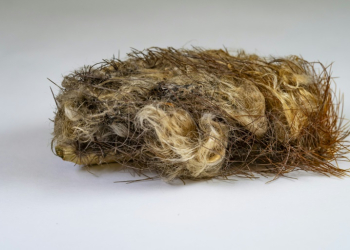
(201, 114)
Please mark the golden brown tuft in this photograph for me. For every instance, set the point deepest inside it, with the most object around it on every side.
(201, 114)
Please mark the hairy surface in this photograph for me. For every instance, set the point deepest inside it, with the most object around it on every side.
(201, 114)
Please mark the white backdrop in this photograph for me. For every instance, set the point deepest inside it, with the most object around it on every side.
(46, 203)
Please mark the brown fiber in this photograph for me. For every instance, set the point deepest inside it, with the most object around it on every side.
(201, 114)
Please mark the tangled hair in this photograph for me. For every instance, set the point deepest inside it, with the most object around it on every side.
(201, 114)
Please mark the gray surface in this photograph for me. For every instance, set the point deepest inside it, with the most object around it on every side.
(46, 203)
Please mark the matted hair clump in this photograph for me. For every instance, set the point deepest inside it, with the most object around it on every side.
(201, 114)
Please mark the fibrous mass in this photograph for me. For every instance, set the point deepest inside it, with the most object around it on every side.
(202, 114)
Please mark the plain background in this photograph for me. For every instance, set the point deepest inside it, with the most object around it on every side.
(46, 203)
